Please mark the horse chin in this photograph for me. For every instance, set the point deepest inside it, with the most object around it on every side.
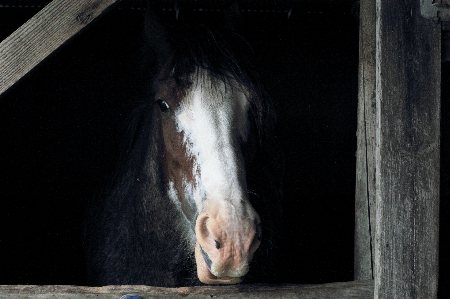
(205, 276)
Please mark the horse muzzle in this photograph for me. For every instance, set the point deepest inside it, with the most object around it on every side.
(224, 249)
(204, 273)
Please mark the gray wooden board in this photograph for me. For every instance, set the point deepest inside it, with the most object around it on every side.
(365, 155)
(44, 33)
(408, 71)
(340, 290)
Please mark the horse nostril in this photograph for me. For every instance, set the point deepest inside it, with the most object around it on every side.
(217, 244)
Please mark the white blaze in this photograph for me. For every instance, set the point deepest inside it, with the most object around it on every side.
(211, 126)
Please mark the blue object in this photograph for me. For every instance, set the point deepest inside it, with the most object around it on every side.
(131, 297)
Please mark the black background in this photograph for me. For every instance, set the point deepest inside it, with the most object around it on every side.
(61, 126)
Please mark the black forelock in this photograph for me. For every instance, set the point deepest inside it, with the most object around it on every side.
(222, 54)
(225, 56)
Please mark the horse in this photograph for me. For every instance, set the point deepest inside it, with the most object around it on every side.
(197, 196)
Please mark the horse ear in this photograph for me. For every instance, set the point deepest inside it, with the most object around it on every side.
(157, 36)
(233, 18)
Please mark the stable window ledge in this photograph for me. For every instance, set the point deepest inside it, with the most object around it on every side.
(339, 290)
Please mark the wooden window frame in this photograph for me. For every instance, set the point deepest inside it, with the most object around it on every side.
(397, 187)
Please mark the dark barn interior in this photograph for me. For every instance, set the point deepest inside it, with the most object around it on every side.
(61, 127)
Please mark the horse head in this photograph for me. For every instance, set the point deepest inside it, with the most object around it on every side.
(204, 101)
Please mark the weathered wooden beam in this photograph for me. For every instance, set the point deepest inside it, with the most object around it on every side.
(340, 290)
(365, 154)
(44, 33)
(408, 68)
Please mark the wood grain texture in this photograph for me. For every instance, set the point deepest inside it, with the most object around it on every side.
(365, 154)
(44, 33)
(408, 67)
(341, 290)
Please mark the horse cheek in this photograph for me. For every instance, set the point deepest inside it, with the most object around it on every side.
(178, 164)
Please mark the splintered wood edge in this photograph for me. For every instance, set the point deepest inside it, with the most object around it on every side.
(45, 32)
(352, 289)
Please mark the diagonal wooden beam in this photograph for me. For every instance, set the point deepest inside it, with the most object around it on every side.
(50, 28)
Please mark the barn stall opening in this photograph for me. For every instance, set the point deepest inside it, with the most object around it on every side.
(62, 127)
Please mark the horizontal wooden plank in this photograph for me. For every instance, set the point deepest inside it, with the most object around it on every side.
(44, 33)
(341, 290)
(142, 3)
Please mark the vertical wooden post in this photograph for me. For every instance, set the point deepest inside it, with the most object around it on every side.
(408, 67)
(365, 154)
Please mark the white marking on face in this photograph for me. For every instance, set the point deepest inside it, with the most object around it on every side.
(211, 127)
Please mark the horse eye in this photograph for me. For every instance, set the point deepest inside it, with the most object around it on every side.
(163, 105)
